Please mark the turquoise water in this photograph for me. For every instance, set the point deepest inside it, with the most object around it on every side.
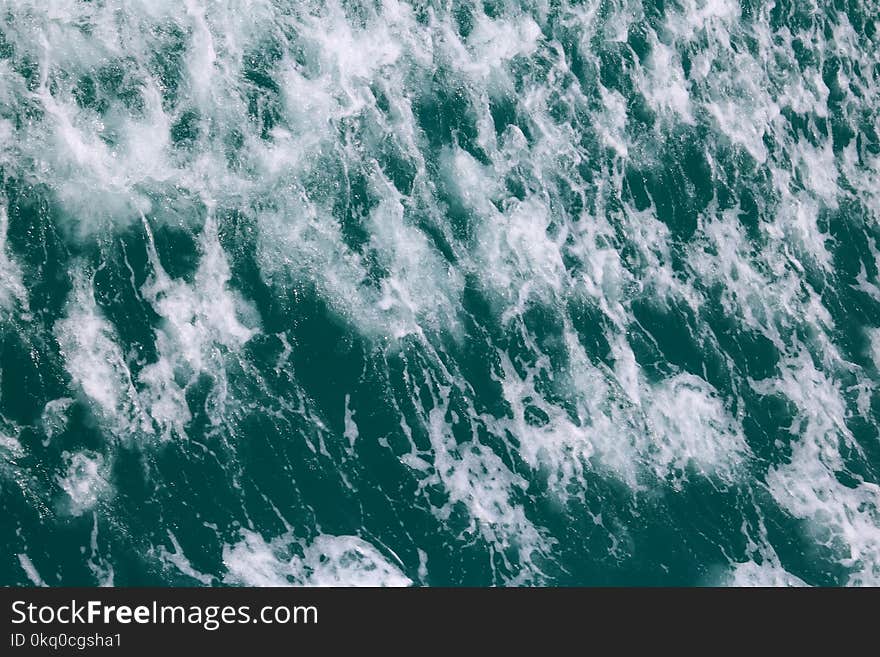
(509, 292)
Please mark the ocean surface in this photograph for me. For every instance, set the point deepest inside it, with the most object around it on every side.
(439, 292)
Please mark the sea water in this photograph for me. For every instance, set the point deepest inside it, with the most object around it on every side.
(439, 292)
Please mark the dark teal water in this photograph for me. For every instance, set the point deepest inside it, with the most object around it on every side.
(439, 293)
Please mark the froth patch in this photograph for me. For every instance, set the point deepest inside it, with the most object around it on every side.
(10, 453)
(203, 322)
(691, 428)
(30, 570)
(177, 559)
(326, 561)
(493, 43)
(206, 314)
(625, 426)
(12, 288)
(665, 85)
(766, 573)
(54, 416)
(85, 480)
(841, 518)
(95, 362)
(874, 346)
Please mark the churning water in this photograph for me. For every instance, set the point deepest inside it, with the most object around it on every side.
(482, 292)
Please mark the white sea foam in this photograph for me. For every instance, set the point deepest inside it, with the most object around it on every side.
(767, 573)
(100, 565)
(202, 322)
(351, 429)
(11, 452)
(11, 286)
(95, 362)
(612, 123)
(177, 559)
(493, 43)
(85, 480)
(54, 416)
(690, 427)
(841, 517)
(30, 570)
(325, 561)
(665, 85)
(874, 346)
(350, 85)
(638, 431)
(477, 480)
